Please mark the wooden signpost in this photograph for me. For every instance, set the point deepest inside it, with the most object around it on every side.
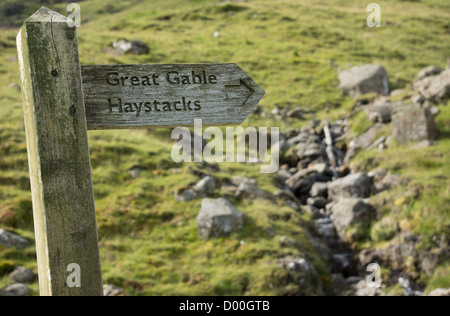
(63, 100)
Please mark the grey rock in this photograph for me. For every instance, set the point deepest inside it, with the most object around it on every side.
(113, 290)
(218, 218)
(365, 79)
(310, 151)
(206, 186)
(297, 113)
(319, 189)
(296, 264)
(439, 89)
(342, 261)
(318, 202)
(435, 89)
(10, 240)
(388, 182)
(17, 289)
(22, 275)
(287, 242)
(248, 189)
(429, 71)
(134, 172)
(348, 212)
(357, 185)
(413, 123)
(363, 141)
(361, 289)
(14, 86)
(124, 46)
(326, 228)
(381, 113)
(440, 292)
(228, 190)
(186, 195)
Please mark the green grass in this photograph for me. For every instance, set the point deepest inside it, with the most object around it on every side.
(148, 240)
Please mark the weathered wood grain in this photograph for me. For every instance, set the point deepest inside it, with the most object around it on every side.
(58, 153)
(140, 96)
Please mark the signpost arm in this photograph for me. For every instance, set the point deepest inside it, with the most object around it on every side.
(58, 154)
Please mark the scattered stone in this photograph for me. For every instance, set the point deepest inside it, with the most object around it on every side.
(186, 195)
(124, 46)
(440, 292)
(360, 80)
(356, 185)
(361, 289)
(381, 112)
(310, 151)
(218, 218)
(248, 189)
(363, 141)
(297, 113)
(302, 182)
(428, 71)
(296, 264)
(287, 242)
(351, 218)
(134, 172)
(22, 275)
(388, 182)
(228, 190)
(10, 240)
(17, 289)
(14, 86)
(319, 189)
(326, 228)
(318, 202)
(435, 89)
(413, 123)
(342, 261)
(113, 290)
(205, 187)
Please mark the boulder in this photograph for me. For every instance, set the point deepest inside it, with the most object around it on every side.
(413, 123)
(218, 218)
(356, 185)
(22, 275)
(10, 240)
(351, 213)
(17, 289)
(365, 79)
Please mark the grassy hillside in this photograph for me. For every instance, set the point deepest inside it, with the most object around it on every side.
(148, 240)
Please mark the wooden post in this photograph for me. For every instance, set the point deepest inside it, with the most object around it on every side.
(58, 154)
